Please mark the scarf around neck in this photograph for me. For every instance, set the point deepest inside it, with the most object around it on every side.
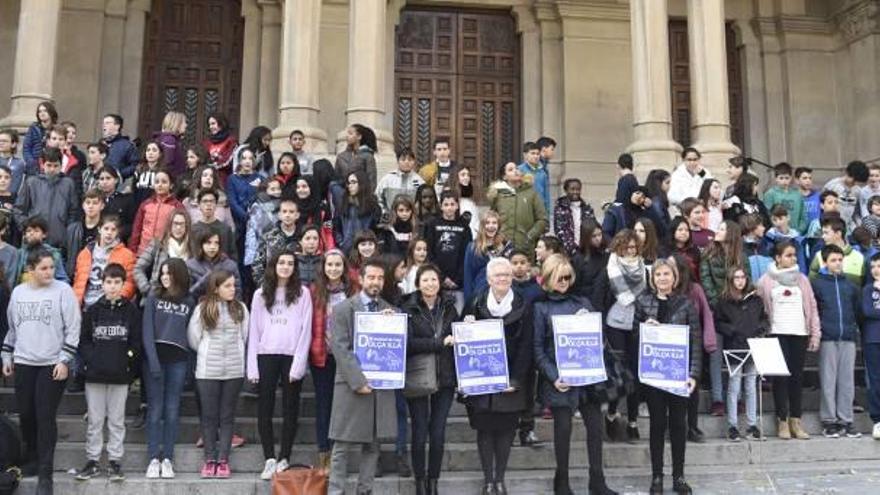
(627, 278)
(784, 276)
(500, 308)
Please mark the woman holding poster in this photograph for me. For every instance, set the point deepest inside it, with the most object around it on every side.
(562, 398)
(430, 333)
(664, 305)
(495, 416)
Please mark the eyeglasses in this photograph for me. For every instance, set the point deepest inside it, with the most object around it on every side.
(565, 278)
(352, 181)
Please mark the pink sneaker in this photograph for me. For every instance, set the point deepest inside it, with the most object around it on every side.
(237, 441)
(223, 470)
(209, 469)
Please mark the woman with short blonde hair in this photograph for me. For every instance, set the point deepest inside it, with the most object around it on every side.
(170, 139)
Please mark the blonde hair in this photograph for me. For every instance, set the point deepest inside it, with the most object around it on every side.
(668, 263)
(173, 122)
(482, 243)
(552, 269)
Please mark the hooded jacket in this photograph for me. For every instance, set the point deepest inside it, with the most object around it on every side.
(52, 198)
(110, 330)
(522, 212)
(740, 319)
(540, 181)
(241, 193)
(853, 265)
(870, 302)
(200, 270)
(837, 300)
(262, 215)
(685, 185)
(33, 143)
(681, 312)
(270, 243)
(348, 161)
(118, 254)
(220, 350)
(150, 221)
(784, 290)
(122, 154)
(395, 183)
(173, 152)
(564, 224)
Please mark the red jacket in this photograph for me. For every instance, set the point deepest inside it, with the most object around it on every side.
(150, 221)
(318, 347)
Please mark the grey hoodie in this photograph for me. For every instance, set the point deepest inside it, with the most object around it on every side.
(44, 325)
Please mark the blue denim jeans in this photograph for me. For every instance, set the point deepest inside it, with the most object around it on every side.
(747, 375)
(716, 366)
(323, 379)
(163, 408)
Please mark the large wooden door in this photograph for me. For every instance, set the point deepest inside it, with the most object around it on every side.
(192, 63)
(681, 84)
(457, 76)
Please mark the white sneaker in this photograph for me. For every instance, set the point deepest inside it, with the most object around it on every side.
(876, 433)
(282, 466)
(269, 469)
(167, 469)
(153, 470)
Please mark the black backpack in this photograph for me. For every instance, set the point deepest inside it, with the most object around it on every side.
(10, 455)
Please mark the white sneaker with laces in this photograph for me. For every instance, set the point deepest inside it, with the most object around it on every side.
(153, 469)
(269, 469)
(282, 466)
(876, 433)
(167, 469)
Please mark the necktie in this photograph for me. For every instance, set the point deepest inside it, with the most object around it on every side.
(372, 306)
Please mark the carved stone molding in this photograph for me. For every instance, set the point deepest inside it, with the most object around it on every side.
(858, 19)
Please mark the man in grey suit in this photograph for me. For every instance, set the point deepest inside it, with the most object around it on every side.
(361, 416)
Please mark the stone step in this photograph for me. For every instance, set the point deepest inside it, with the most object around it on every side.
(73, 428)
(776, 478)
(75, 403)
(464, 457)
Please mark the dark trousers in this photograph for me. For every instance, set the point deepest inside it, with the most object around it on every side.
(871, 353)
(667, 410)
(527, 418)
(494, 449)
(788, 390)
(218, 398)
(626, 344)
(274, 368)
(429, 420)
(323, 380)
(591, 414)
(38, 396)
(693, 410)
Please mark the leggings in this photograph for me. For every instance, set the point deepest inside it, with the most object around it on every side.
(494, 448)
(218, 415)
(274, 368)
(591, 414)
(667, 409)
(788, 390)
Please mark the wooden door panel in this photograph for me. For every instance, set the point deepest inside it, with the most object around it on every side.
(192, 64)
(457, 76)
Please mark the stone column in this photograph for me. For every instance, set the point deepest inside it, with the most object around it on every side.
(653, 146)
(133, 54)
(552, 90)
(249, 111)
(34, 71)
(270, 61)
(367, 56)
(709, 98)
(300, 65)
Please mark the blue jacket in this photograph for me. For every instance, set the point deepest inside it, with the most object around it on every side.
(871, 311)
(240, 194)
(122, 154)
(475, 268)
(347, 225)
(19, 170)
(34, 140)
(773, 236)
(838, 302)
(541, 182)
(529, 290)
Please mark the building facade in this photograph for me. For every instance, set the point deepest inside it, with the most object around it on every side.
(779, 80)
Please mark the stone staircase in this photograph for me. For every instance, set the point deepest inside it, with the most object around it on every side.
(716, 466)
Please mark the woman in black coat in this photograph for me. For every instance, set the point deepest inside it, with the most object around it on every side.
(429, 331)
(564, 399)
(665, 305)
(495, 416)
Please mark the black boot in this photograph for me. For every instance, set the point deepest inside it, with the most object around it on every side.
(421, 486)
(500, 488)
(560, 484)
(597, 484)
(656, 485)
(488, 489)
(680, 486)
(431, 486)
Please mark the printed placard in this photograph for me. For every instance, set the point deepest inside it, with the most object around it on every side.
(579, 351)
(664, 357)
(380, 346)
(480, 357)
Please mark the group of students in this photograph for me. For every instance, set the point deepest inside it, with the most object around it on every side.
(218, 263)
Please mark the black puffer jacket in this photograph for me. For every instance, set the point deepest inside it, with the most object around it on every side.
(518, 330)
(591, 281)
(739, 320)
(681, 312)
(426, 330)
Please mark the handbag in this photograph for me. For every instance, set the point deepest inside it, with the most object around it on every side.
(620, 382)
(300, 479)
(421, 375)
